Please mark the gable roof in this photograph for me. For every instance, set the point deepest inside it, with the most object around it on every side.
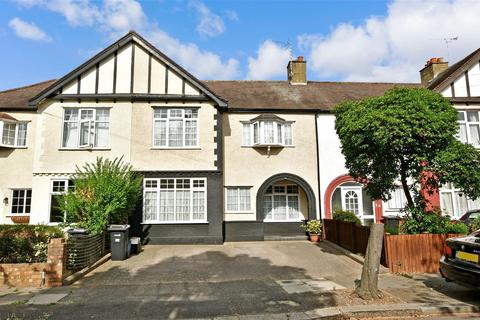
(131, 36)
(448, 76)
(280, 95)
(17, 98)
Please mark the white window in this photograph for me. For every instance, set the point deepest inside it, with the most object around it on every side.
(238, 199)
(175, 128)
(281, 203)
(86, 128)
(454, 203)
(267, 133)
(58, 187)
(21, 201)
(175, 200)
(398, 200)
(469, 127)
(13, 134)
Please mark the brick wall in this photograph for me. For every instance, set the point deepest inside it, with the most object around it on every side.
(48, 274)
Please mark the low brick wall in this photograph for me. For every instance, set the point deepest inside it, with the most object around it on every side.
(48, 274)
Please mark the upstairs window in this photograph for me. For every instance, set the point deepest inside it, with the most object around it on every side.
(469, 127)
(175, 128)
(13, 134)
(86, 128)
(267, 131)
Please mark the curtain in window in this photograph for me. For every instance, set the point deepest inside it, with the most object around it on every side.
(268, 131)
(244, 196)
(167, 205)
(183, 205)
(22, 134)
(462, 203)
(150, 212)
(475, 134)
(70, 135)
(447, 203)
(160, 133)
(232, 199)
(288, 134)
(267, 207)
(292, 207)
(8, 136)
(198, 205)
(175, 133)
(280, 205)
(190, 132)
(102, 128)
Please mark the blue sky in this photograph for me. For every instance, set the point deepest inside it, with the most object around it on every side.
(341, 40)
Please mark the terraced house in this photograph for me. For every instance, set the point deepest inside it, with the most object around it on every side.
(221, 160)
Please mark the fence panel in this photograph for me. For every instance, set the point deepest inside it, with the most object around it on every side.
(84, 250)
(415, 253)
(346, 235)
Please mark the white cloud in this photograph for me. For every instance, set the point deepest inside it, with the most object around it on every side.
(271, 62)
(116, 17)
(395, 47)
(28, 30)
(232, 15)
(210, 24)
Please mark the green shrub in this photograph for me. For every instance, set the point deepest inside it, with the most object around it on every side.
(106, 192)
(313, 226)
(346, 216)
(419, 221)
(26, 243)
(475, 224)
(391, 230)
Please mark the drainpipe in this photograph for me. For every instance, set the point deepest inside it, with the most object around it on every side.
(318, 167)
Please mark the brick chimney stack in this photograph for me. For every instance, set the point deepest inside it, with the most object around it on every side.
(432, 69)
(297, 71)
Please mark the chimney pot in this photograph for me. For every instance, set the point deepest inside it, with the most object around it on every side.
(300, 58)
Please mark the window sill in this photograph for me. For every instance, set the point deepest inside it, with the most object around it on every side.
(176, 222)
(12, 147)
(175, 148)
(9, 215)
(276, 221)
(267, 145)
(84, 149)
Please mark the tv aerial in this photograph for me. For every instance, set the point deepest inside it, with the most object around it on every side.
(447, 42)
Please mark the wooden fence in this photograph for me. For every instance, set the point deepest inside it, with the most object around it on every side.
(406, 253)
(348, 235)
(414, 253)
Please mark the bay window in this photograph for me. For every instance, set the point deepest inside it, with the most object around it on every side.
(13, 134)
(238, 199)
(175, 128)
(86, 128)
(175, 200)
(267, 133)
(469, 127)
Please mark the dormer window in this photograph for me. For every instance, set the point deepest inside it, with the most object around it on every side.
(13, 133)
(267, 130)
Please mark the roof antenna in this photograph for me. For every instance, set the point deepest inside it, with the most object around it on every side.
(286, 45)
(447, 41)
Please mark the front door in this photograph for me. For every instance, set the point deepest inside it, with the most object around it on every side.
(352, 200)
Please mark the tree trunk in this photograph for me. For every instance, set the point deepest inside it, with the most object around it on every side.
(406, 190)
(367, 287)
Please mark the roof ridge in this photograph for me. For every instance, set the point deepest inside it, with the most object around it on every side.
(318, 81)
(27, 86)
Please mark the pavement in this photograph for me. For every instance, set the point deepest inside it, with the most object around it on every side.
(242, 280)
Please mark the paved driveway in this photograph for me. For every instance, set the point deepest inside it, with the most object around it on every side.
(197, 281)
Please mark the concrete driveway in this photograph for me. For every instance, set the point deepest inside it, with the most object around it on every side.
(199, 281)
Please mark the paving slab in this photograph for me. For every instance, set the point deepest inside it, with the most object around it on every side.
(46, 298)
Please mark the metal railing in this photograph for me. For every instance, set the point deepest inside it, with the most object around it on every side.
(84, 250)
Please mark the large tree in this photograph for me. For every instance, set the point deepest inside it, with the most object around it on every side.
(406, 135)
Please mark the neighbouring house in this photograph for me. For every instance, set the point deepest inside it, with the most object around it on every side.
(221, 160)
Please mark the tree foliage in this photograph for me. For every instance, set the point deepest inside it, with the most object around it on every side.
(106, 192)
(402, 135)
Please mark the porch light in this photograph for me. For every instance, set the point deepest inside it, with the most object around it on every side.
(5, 201)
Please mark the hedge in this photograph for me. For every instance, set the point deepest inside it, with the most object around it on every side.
(26, 243)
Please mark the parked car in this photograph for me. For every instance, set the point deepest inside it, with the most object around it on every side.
(460, 261)
(469, 216)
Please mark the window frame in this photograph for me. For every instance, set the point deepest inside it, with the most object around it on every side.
(450, 189)
(17, 129)
(24, 213)
(261, 136)
(285, 193)
(250, 207)
(467, 124)
(192, 188)
(167, 127)
(92, 135)
(51, 193)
